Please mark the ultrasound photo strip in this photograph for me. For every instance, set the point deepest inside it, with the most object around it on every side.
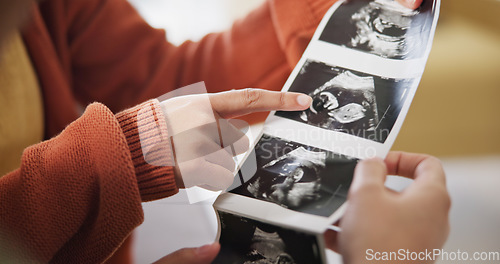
(362, 69)
(378, 37)
(297, 177)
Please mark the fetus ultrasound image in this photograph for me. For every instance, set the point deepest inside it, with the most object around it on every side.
(381, 27)
(298, 177)
(350, 102)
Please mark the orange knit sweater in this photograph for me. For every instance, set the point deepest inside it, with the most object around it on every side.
(78, 195)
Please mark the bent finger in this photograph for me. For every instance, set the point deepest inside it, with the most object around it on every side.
(241, 102)
(370, 173)
(330, 237)
(420, 167)
(216, 177)
(232, 137)
(198, 145)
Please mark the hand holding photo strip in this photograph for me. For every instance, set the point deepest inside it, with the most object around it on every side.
(362, 68)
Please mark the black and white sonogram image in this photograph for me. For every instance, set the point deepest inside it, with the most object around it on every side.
(381, 27)
(247, 241)
(347, 101)
(298, 177)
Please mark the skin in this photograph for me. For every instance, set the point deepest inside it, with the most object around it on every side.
(14, 13)
(413, 4)
(418, 215)
(415, 219)
(367, 199)
(202, 255)
(281, 190)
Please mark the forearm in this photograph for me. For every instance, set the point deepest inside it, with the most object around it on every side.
(261, 49)
(118, 59)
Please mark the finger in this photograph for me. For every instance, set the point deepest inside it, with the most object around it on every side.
(195, 143)
(413, 4)
(239, 147)
(240, 102)
(330, 237)
(201, 255)
(369, 174)
(215, 176)
(233, 138)
(421, 167)
(200, 172)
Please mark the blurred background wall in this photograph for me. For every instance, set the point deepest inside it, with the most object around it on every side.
(456, 108)
(192, 19)
(455, 115)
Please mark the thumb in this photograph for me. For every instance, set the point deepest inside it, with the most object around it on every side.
(235, 103)
(369, 175)
(201, 255)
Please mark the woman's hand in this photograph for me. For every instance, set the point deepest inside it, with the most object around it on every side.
(378, 219)
(205, 141)
(413, 4)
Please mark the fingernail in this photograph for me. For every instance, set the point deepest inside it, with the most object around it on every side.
(411, 4)
(304, 100)
(204, 250)
(375, 160)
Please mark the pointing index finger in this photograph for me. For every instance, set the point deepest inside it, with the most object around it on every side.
(241, 102)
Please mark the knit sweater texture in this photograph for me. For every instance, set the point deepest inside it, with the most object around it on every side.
(77, 195)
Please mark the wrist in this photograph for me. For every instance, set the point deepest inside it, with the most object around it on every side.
(149, 144)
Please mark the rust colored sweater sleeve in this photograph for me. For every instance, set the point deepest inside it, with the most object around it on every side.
(113, 56)
(76, 197)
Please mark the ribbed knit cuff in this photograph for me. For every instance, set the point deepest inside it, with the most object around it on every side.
(146, 131)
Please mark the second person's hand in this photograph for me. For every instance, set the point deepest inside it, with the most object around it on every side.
(379, 220)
